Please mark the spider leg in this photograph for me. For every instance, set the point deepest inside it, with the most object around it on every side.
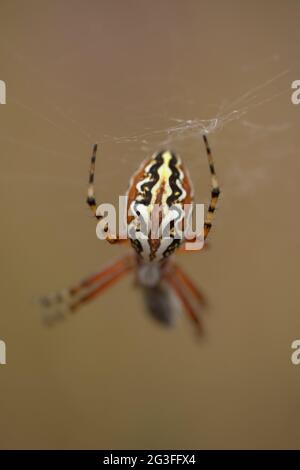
(215, 190)
(215, 193)
(189, 284)
(91, 198)
(56, 306)
(182, 295)
(124, 261)
(100, 287)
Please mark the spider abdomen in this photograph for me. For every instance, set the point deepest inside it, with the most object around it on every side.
(157, 194)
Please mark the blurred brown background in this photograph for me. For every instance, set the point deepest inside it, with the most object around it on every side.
(124, 73)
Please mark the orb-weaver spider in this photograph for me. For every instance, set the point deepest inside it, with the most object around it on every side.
(161, 179)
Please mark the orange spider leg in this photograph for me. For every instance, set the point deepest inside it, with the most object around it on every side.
(194, 290)
(115, 276)
(186, 303)
(87, 282)
(69, 299)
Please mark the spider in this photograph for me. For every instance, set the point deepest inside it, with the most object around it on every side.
(160, 179)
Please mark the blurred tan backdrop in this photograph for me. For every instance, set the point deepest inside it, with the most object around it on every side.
(125, 74)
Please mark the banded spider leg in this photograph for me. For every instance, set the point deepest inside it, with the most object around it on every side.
(58, 305)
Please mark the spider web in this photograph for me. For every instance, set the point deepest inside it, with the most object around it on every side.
(172, 128)
(186, 128)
